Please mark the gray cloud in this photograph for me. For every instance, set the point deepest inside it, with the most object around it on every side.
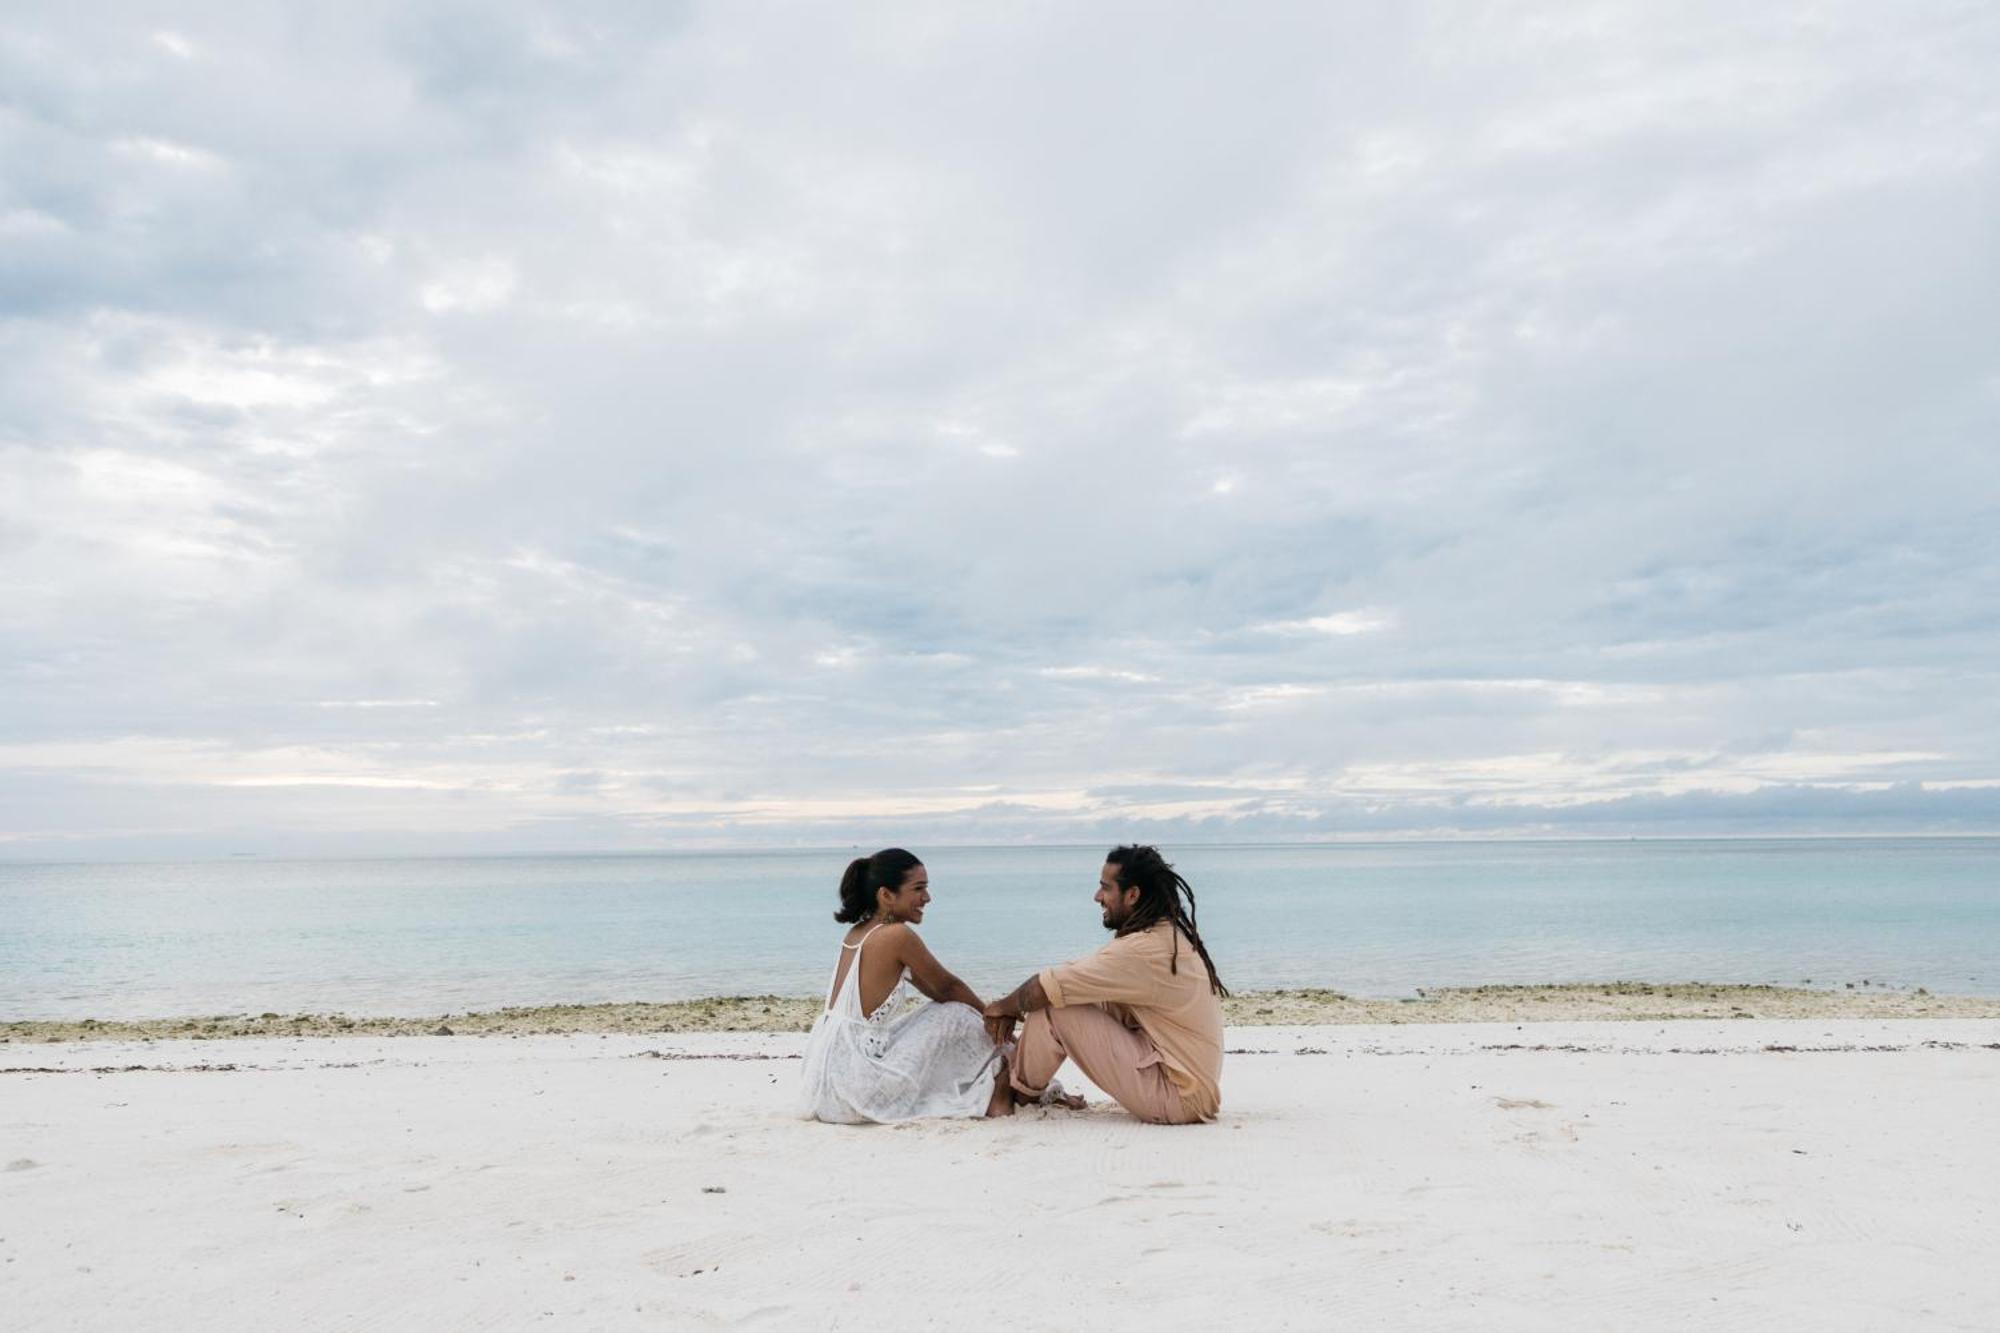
(738, 427)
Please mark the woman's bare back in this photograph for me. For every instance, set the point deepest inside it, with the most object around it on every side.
(881, 963)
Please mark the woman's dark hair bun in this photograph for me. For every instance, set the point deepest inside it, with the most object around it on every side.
(865, 874)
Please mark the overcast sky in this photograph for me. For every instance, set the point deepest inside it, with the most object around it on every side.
(490, 428)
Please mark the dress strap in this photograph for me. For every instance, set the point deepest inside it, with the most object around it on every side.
(864, 939)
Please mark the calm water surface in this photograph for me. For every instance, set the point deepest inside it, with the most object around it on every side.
(431, 936)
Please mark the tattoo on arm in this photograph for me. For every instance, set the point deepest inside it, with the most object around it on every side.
(1028, 997)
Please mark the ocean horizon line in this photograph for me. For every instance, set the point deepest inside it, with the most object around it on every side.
(739, 849)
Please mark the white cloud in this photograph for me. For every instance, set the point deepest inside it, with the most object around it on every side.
(1257, 696)
(1096, 673)
(1339, 624)
(477, 286)
(840, 657)
(169, 153)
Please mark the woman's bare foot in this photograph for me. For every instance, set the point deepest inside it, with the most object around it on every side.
(1002, 1101)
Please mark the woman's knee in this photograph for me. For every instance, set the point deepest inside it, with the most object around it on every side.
(963, 1017)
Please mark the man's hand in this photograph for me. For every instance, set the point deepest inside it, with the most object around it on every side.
(1000, 1021)
(1005, 1012)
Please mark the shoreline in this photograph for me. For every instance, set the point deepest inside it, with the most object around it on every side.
(1570, 1002)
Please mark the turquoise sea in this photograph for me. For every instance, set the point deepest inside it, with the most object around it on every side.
(445, 935)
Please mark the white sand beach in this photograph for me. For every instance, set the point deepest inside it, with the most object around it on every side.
(1825, 1174)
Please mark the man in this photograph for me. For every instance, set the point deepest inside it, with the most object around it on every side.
(1142, 1017)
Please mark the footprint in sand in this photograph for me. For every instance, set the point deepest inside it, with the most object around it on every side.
(1445, 1190)
(23, 1164)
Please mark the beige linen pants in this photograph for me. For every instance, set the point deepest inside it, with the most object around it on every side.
(1123, 1061)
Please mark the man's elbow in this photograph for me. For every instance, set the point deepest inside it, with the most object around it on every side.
(1033, 997)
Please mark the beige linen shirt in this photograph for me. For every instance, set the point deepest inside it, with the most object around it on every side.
(1135, 978)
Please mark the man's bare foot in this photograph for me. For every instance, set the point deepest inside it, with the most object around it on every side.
(1069, 1101)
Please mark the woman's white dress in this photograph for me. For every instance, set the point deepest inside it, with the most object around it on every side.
(905, 1061)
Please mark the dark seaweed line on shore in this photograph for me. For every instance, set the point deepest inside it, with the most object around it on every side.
(1503, 1048)
(1572, 1048)
(184, 1069)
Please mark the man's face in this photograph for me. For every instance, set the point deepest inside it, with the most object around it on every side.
(1116, 902)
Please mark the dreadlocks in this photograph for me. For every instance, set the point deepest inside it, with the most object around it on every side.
(1163, 896)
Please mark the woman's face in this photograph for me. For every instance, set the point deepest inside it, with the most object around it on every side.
(908, 900)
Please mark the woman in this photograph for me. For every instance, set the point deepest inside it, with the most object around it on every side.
(871, 1057)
